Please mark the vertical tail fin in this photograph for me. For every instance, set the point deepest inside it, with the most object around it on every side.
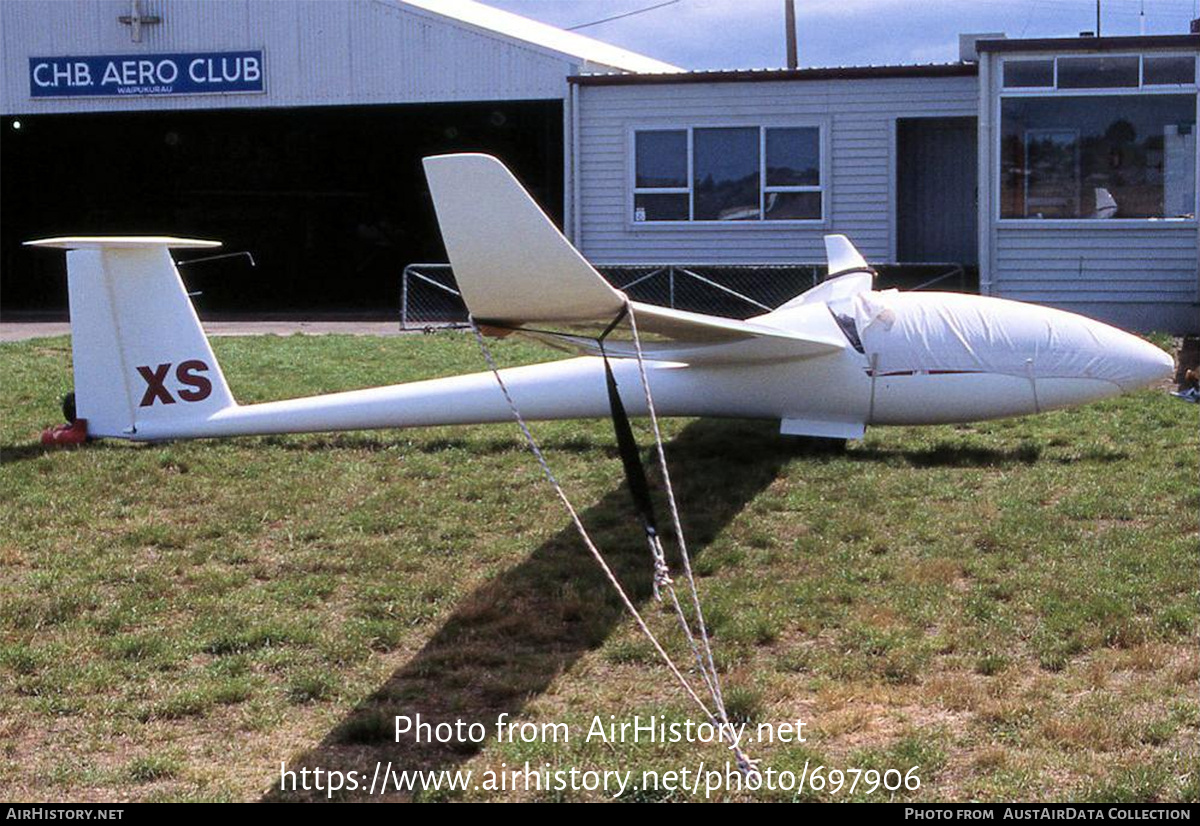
(141, 357)
(510, 261)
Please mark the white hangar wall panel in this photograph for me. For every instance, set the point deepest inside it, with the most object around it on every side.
(860, 115)
(315, 52)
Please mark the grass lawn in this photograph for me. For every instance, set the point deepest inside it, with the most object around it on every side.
(1011, 605)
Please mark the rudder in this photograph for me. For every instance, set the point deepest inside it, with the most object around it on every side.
(140, 355)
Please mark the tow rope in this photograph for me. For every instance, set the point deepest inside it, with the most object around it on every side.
(635, 476)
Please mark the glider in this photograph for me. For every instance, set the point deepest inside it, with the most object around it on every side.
(828, 363)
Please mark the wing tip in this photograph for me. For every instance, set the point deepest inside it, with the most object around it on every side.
(80, 242)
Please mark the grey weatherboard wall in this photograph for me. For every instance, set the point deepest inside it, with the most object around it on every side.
(860, 120)
(1138, 274)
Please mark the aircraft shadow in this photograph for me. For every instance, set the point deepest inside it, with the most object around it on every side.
(12, 454)
(952, 455)
(948, 454)
(511, 638)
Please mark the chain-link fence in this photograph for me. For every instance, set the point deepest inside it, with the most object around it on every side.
(429, 296)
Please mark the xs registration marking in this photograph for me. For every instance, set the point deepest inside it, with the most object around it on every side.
(196, 388)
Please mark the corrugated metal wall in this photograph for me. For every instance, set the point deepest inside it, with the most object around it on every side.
(316, 52)
(861, 123)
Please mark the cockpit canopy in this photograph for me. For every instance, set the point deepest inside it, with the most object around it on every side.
(952, 332)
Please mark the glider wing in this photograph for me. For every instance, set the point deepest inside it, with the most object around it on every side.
(511, 263)
(705, 329)
(515, 269)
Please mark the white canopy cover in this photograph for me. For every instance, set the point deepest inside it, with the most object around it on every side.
(954, 332)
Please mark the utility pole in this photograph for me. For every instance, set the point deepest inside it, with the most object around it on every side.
(1097, 18)
(789, 16)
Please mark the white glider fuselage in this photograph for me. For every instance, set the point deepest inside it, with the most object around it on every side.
(833, 395)
(828, 363)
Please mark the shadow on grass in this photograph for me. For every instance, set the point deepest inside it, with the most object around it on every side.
(11, 454)
(950, 454)
(954, 454)
(510, 639)
(488, 447)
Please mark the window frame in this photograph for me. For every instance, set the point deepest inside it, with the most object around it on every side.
(1001, 92)
(1055, 88)
(760, 223)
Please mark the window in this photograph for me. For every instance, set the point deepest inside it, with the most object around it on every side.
(1028, 73)
(1065, 156)
(725, 183)
(661, 183)
(792, 189)
(1169, 71)
(1097, 72)
(1098, 136)
(741, 173)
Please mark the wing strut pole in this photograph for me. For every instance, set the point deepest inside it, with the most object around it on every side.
(635, 471)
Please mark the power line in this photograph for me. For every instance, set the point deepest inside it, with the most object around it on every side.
(1033, 6)
(619, 16)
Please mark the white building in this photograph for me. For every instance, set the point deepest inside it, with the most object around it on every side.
(1064, 170)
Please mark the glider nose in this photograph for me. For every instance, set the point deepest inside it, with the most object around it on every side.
(1151, 365)
(1139, 363)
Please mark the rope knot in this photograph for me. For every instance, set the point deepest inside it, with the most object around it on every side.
(662, 572)
(746, 765)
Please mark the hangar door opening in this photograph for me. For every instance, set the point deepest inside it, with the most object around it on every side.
(936, 190)
(331, 202)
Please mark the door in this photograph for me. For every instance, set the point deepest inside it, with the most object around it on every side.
(936, 190)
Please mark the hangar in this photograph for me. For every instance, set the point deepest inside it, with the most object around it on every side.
(293, 130)
(1061, 171)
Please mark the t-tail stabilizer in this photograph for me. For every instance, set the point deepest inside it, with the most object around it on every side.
(140, 355)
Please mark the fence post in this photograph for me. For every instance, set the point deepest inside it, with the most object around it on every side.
(404, 300)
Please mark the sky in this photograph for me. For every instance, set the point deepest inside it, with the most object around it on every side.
(738, 34)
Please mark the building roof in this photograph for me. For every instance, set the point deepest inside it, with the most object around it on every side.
(1091, 44)
(1047, 44)
(552, 38)
(752, 75)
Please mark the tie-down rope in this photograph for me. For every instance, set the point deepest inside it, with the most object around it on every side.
(662, 578)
